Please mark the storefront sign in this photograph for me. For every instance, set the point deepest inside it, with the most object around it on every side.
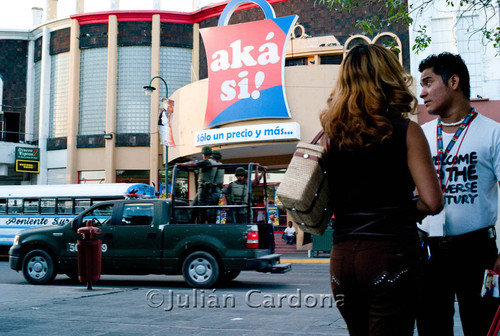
(27, 160)
(246, 67)
(27, 166)
(249, 133)
(28, 153)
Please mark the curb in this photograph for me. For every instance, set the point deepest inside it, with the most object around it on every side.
(305, 261)
(283, 260)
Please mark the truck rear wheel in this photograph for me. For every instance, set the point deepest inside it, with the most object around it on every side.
(200, 270)
(38, 267)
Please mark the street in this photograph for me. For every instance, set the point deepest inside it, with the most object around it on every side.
(296, 303)
(254, 303)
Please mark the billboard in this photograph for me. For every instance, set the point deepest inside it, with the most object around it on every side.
(246, 67)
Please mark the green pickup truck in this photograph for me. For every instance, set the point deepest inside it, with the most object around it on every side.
(149, 236)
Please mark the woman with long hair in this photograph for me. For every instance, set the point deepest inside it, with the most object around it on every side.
(377, 159)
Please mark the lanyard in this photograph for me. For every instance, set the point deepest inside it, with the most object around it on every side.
(442, 154)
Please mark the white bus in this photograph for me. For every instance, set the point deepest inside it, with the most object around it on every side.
(27, 206)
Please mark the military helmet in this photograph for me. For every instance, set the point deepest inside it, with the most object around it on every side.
(216, 154)
(240, 171)
(207, 150)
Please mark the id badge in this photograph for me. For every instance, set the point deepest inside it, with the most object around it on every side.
(436, 224)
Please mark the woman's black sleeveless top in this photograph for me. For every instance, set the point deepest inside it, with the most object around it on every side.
(372, 189)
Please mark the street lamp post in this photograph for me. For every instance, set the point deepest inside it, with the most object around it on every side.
(148, 90)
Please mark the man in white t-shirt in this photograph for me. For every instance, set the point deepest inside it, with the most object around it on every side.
(465, 146)
(289, 234)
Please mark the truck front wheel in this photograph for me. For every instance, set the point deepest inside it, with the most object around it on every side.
(200, 270)
(38, 267)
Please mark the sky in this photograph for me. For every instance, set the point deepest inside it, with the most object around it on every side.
(17, 14)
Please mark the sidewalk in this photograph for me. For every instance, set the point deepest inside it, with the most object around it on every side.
(304, 259)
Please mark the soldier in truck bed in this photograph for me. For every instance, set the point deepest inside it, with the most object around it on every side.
(236, 193)
(206, 185)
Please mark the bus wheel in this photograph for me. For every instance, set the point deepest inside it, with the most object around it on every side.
(38, 267)
(200, 270)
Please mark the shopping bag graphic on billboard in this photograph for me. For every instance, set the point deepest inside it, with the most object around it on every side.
(246, 67)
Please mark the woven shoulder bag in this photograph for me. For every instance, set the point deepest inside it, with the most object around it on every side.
(304, 190)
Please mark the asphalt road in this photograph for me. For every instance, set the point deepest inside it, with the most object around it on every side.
(296, 303)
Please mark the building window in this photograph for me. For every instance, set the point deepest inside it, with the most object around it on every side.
(93, 88)
(59, 95)
(133, 112)
(1, 93)
(175, 68)
(2, 130)
(296, 61)
(88, 177)
(442, 35)
(472, 51)
(331, 59)
(132, 176)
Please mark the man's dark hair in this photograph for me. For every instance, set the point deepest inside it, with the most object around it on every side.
(446, 65)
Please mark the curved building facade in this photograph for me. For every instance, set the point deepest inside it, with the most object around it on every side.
(72, 89)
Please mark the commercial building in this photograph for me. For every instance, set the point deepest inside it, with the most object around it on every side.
(73, 88)
(456, 27)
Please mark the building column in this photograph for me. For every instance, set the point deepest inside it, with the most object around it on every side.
(111, 94)
(195, 56)
(79, 6)
(44, 118)
(30, 94)
(154, 102)
(51, 10)
(73, 103)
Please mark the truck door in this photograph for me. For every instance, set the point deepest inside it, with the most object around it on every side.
(100, 217)
(135, 241)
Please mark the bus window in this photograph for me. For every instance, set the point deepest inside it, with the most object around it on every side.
(15, 206)
(47, 206)
(3, 205)
(64, 206)
(81, 204)
(31, 205)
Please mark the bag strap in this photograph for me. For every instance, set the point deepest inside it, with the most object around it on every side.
(317, 137)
